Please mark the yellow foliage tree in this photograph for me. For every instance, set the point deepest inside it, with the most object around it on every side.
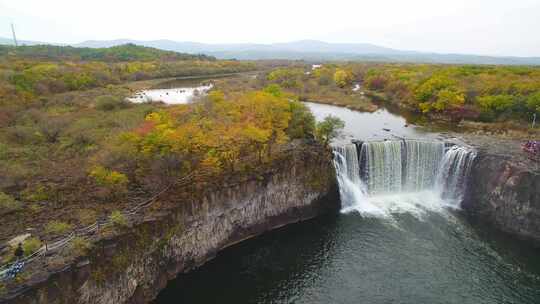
(343, 77)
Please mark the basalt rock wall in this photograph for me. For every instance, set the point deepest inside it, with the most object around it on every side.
(505, 192)
(180, 234)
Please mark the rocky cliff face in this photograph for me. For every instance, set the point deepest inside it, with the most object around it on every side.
(505, 191)
(183, 233)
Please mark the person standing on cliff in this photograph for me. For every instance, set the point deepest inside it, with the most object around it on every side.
(19, 252)
(17, 267)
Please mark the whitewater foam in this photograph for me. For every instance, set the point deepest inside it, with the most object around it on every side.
(407, 176)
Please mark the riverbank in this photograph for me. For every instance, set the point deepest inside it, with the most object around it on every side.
(182, 230)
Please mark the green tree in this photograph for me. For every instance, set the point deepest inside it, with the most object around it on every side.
(274, 90)
(302, 124)
(31, 245)
(497, 103)
(57, 227)
(329, 128)
(109, 103)
(533, 102)
(8, 203)
(286, 77)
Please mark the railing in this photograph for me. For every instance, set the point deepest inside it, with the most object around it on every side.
(86, 232)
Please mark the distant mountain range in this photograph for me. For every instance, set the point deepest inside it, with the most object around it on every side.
(311, 50)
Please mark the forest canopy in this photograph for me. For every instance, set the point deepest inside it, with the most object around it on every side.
(31, 71)
(473, 92)
(120, 53)
(220, 133)
(485, 93)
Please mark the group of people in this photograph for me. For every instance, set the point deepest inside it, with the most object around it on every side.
(16, 267)
(532, 147)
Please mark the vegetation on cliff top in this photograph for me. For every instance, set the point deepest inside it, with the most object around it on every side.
(60, 108)
(72, 150)
(451, 92)
(31, 72)
(237, 134)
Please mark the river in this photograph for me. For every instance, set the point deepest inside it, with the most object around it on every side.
(411, 247)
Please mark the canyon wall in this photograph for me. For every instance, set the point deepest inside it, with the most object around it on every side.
(504, 191)
(181, 233)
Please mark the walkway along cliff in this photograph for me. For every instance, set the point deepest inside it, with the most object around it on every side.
(184, 230)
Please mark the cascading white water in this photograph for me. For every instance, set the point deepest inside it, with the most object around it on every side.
(391, 171)
(347, 161)
(421, 161)
(352, 189)
(383, 166)
(453, 172)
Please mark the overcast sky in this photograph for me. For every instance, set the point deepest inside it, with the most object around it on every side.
(491, 27)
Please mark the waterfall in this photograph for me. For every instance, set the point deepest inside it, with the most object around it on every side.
(401, 166)
(454, 171)
(421, 164)
(351, 187)
(348, 162)
(383, 166)
(387, 168)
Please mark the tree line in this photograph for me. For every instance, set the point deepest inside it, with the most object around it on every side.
(454, 92)
(25, 75)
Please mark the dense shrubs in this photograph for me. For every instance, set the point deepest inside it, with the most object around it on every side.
(329, 83)
(34, 71)
(219, 134)
(493, 92)
(80, 246)
(118, 219)
(485, 93)
(57, 227)
(110, 103)
(31, 245)
(110, 179)
(8, 203)
(343, 78)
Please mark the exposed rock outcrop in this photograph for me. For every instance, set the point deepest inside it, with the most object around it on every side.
(185, 233)
(504, 189)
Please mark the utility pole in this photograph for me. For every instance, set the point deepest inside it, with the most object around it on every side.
(14, 36)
